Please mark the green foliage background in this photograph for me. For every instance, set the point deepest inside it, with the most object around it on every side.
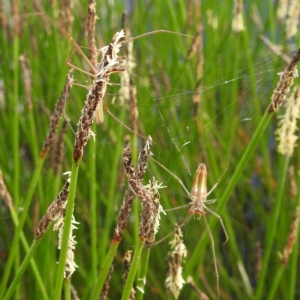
(239, 76)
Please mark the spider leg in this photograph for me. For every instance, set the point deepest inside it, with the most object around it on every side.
(79, 69)
(214, 254)
(187, 219)
(221, 221)
(178, 207)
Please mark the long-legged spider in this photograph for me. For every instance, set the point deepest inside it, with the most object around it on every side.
(95, 69)
(198, 206)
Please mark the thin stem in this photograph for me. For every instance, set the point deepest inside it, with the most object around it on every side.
(21, 269)
(66, 233)
(104, 270)
(26, 205)
(133, 269)
(141, 280)
(271, 230)
(93, 210)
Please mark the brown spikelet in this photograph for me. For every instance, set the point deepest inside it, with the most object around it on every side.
(147, 215)
(90, 31)
(130, 195)
(109, 64)
(59, 107)
(201, 295)
(285, 82)
(4, 193)
(258, 260)
(54, 211)
(27, 80)
(288, 249)
(106, 286)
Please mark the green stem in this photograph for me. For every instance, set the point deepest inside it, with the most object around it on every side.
(104, 270)
(229, 189)
(34, 267)
(294, 260)
(133, 269)
(66, 233)
(14, 245)
(67, 289)
(21, 269)
(140, 291)
(93, 210)
(271, 232)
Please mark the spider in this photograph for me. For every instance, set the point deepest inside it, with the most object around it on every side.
(198, 206)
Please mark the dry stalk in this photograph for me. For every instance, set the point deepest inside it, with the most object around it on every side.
(4, 193)
(90, 31)
(130, 195)
(27, 80)
(66, 16)
(277, 50)
(285, 82)
(59, 107)
(201, 295)
(109, 65)
(288, 249)
(55, 211)
(197, 47)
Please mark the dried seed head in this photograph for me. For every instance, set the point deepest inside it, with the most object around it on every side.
(109, 64)
(130, 194)
(287, 125)
(59, 107)
(285, 82)
(174, 281)
(54, 212)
